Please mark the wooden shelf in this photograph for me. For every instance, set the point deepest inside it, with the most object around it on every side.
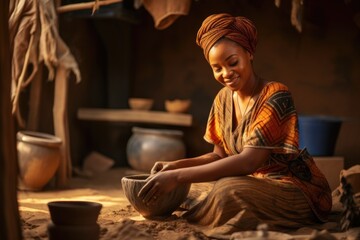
(134, 116)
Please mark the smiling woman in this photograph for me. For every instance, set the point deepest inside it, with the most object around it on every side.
(261, 174)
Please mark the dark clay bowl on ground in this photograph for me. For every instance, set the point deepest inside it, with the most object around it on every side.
(74, 212)
(165, 205)
(73, 232)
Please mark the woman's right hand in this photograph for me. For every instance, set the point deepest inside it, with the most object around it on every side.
(161, 166)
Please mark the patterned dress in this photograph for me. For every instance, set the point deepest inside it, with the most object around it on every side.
(288, 191)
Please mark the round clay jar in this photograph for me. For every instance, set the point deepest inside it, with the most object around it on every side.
(164, 205)
(147, 146)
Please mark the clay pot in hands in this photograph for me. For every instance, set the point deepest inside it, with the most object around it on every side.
(164, 205)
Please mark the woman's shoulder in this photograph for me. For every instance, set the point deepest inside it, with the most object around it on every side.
(273, 86)
(224, 91)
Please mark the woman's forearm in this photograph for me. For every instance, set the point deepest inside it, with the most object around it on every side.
(197, 161)
(236, 165)
(207, 172)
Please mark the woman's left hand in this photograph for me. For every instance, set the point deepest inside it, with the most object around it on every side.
(161, 183)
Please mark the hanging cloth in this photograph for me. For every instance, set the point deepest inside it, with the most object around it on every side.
(165, 12)
(34, 38)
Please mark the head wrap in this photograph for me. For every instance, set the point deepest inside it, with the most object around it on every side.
(238, 29)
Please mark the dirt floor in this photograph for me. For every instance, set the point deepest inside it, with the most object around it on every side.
(118, 219)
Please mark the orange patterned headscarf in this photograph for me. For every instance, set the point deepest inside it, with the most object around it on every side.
(238, 29)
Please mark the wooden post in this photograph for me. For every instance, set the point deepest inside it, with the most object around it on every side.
(9, 213)
(61, 125)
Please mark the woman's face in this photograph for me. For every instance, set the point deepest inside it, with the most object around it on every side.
(231, 64)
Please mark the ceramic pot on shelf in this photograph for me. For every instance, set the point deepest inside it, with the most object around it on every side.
(39, 158)
(147, 146)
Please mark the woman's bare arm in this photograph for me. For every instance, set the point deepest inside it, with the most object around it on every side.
(247, 162)
(244, 163)
(217, 154)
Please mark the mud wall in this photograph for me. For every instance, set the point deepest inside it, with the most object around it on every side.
(320, 66)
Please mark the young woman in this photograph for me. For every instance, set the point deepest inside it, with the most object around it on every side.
(261, 175)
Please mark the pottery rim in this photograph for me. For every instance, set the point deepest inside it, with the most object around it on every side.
(38, 138)
(166, 132)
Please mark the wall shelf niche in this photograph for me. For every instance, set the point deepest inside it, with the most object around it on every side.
(134, 116)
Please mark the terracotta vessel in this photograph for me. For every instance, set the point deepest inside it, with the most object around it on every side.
(69, 232)
(146, 146)
(39, 157)
(142, 104)
(73, 220)
(74, 212)
(177, 105)
(165, 205)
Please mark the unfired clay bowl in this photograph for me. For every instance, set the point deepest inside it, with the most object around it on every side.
(74, 212)
(143, 104)
(177, 105)
(165, 205)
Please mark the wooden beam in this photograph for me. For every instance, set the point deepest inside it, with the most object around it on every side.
(85, 5)
(9, 213)
(61, 125)
(134, 116)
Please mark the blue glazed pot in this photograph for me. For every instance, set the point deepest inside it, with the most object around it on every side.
(319, 134)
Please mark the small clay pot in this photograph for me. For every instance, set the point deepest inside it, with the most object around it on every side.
(74, 212)
(143, 104)
(73, 232)
(39, 157)
(177, 105)
(165, 205)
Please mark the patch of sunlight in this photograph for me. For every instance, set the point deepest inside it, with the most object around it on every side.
(104, 200)
(138, 218)
(27, 209)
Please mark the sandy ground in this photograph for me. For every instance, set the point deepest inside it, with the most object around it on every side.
(118, 219)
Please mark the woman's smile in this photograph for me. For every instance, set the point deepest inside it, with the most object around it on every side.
(231, 64)
(233, 82)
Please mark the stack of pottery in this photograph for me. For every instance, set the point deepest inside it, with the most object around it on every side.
(74, 220)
